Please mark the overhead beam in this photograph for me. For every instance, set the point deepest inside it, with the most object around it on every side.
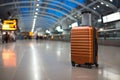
(20, 2)
(42, 26)
(110, 4)
(61, 12)
(39, 22)
(55, 5)
(85, 7)
(51, 17)
(44, 17)
(30, 12)
(78, 11)
(40, 18)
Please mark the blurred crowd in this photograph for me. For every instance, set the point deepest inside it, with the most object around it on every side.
(8, 37)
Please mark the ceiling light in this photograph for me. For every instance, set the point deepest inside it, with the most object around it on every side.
(47, 31)
(111, 0)
(37, 5)
(101, 29)
(107, 5)
(98, 6)
(36, 13)
(37, 9)
(35, 19)
(102, 3)
(35, 16)
(75, 16)
(99, 20)
(32, 30)
(94, 8)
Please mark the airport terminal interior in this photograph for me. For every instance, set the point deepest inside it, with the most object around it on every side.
(59, 39)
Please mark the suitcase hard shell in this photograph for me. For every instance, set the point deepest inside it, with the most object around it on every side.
(84, 46)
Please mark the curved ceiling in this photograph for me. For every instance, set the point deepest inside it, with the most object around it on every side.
(33, 14)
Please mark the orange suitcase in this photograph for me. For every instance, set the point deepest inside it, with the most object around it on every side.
(84, 46)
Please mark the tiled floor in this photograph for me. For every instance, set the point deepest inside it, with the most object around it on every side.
(50, 60)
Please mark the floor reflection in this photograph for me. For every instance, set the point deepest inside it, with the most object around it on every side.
(8, 58)
(50, 60)
(108, 74)
(35, 65)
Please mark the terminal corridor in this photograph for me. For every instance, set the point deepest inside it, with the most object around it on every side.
(51, 60)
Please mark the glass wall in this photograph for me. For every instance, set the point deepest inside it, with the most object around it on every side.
(110, 31)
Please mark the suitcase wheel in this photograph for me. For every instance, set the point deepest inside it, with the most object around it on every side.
(96, 65)
(79, 65)
(90, 66)
(73, 64)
